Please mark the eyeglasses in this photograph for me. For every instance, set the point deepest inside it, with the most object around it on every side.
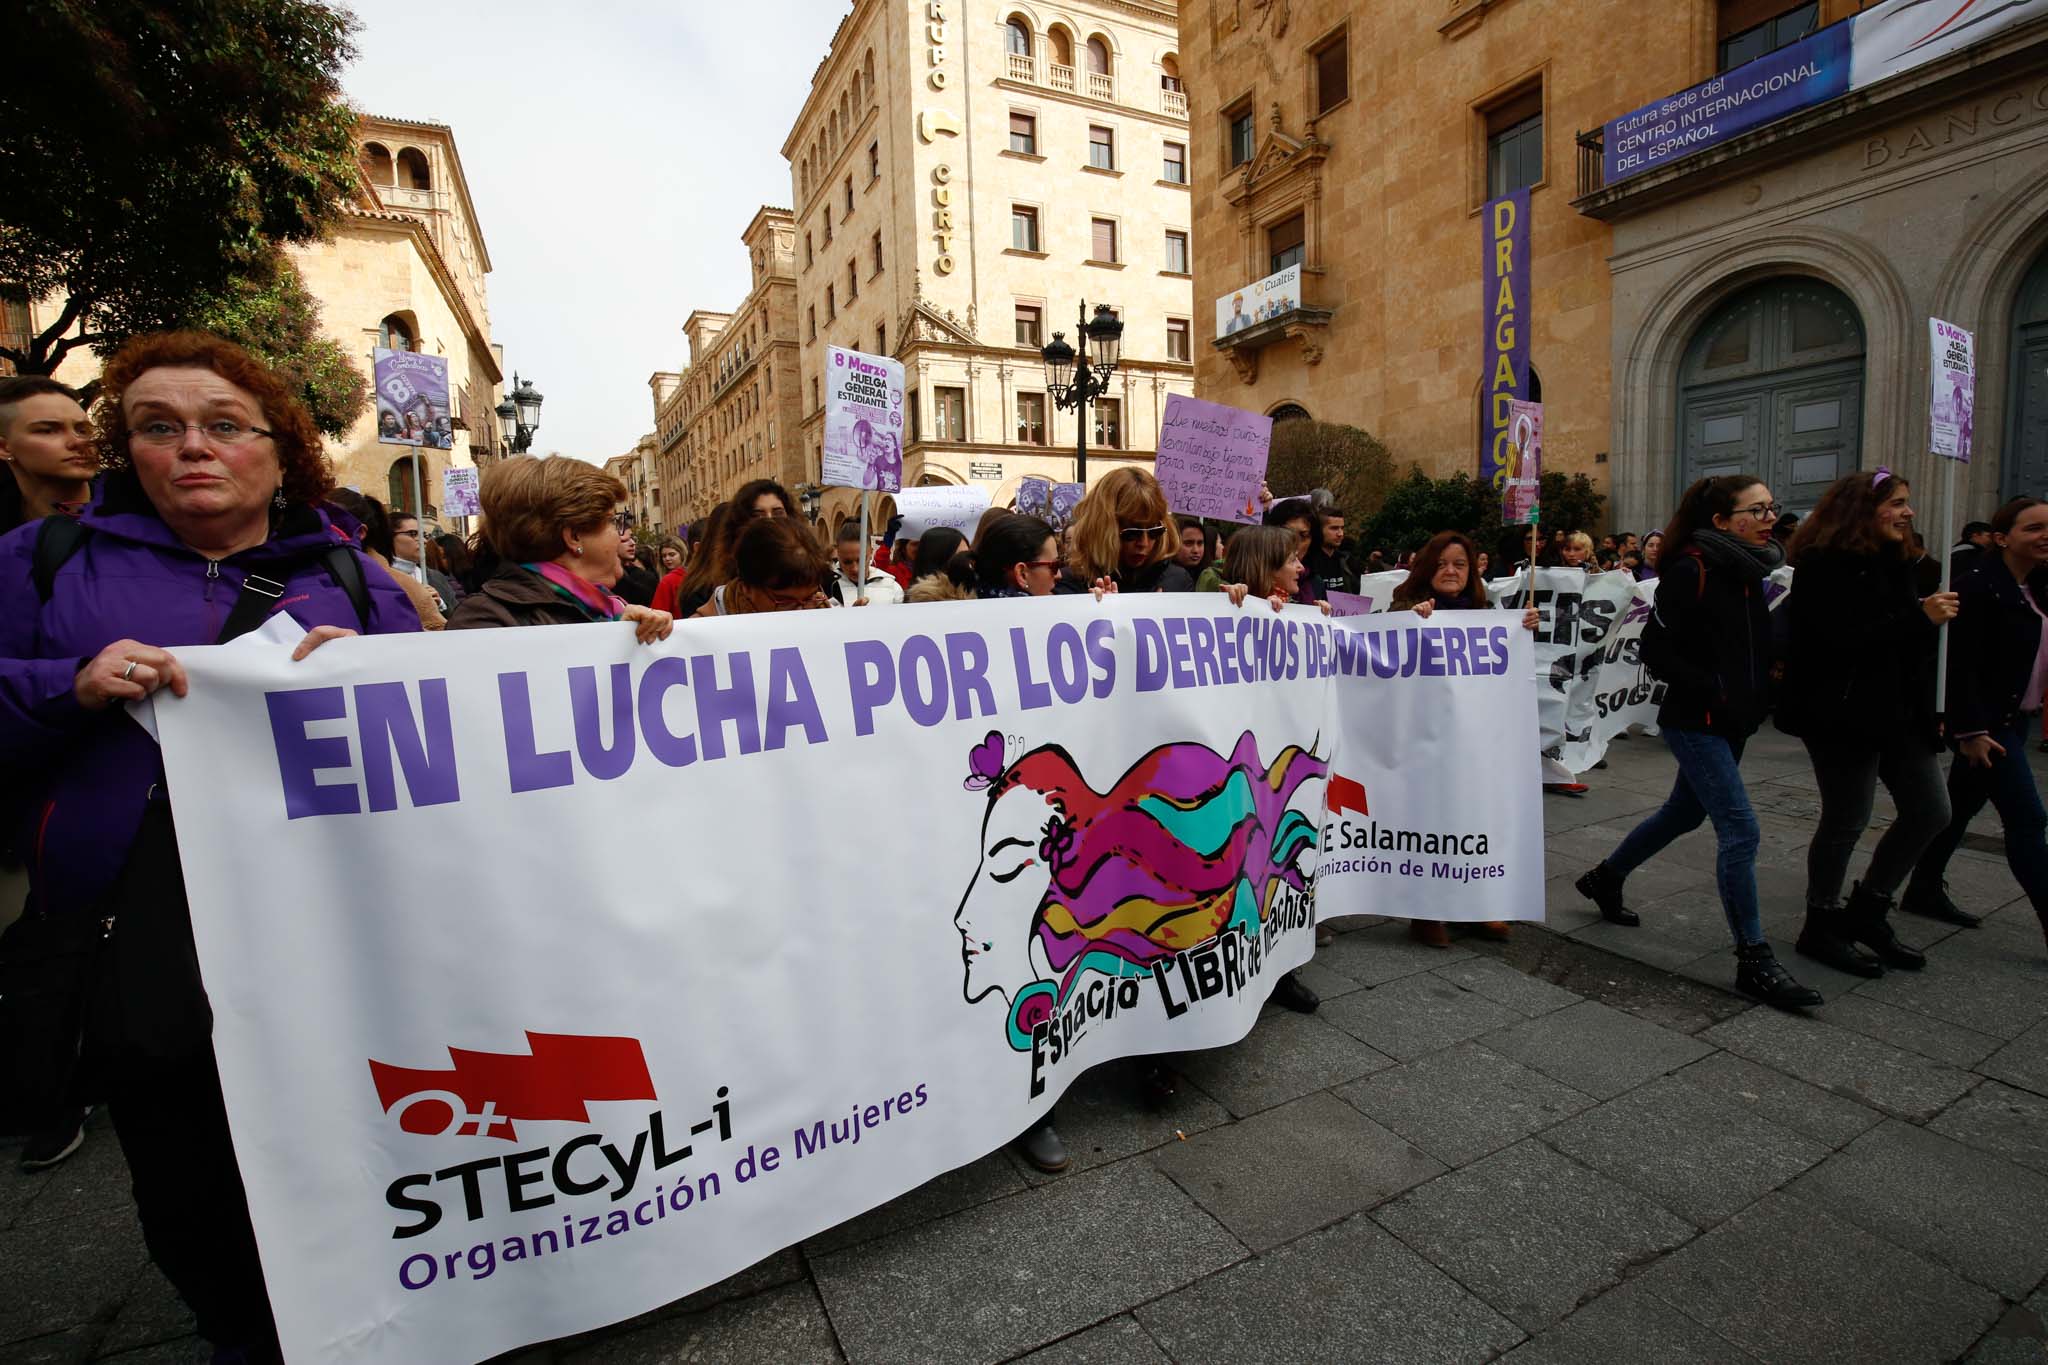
(1041, 563)
(1132, 534)
(163, 435)
(1765, 511)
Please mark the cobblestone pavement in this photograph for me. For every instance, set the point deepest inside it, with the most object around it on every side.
(1575, 1147)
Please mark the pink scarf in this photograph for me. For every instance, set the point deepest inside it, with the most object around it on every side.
(580, 591)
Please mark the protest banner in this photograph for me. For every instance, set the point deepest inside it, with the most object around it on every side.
(1034, 496)
(412, 399)
(1212, 459)
(1343, 604)
(956, 505)
(1951, 408)
(1525, 479)
(1064, 499)
(461, 486)
(863, 443)
(561, 1099)
(1504, 310)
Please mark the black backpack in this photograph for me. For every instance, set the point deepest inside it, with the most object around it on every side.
(60, 537)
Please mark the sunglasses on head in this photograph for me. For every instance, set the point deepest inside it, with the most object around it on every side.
(1130, 534)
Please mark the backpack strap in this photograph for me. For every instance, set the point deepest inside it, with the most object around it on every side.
(57, 539)
(345, 567)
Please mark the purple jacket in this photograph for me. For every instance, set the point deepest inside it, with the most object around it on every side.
(74, 783)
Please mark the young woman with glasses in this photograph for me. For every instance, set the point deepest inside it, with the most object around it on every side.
(1859, 691)
(1123, 539)
(1710, 644)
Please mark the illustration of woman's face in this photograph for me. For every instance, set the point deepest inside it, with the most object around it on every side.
(996, 914)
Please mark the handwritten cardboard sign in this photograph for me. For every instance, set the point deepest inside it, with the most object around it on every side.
(1212, 459)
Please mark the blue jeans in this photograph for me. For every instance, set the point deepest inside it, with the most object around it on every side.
(1709, 786)
(2007, 784)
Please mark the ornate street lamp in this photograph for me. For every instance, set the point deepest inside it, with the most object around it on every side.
(519, 416)
(812, 498)
(1073, 381)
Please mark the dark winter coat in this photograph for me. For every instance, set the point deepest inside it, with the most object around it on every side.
(1165, 576)
(515, 596)
(1859, 664)
(1991, 645)
(1717, 667)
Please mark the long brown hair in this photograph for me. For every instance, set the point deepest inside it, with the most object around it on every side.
(1420, 583)
(711, 562)
(1845, 519)
(1705, 500)
(1127, 494)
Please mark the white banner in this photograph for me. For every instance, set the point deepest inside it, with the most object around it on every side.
(688, 993)
(953, 504)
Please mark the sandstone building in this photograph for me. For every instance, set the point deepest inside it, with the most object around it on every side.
(733, 414)
(965, 174)
(1760, 302)
(640, 471)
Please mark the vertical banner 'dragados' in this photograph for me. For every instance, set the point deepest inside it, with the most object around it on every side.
(1504, 314)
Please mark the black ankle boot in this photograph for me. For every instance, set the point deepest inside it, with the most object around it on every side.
(1825, 939)
(1603, 888)
(1759, 975)
(1867, 918)
(1934, 903)
(1290, 993)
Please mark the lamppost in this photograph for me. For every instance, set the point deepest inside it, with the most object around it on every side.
(1073, 381)
(519, 415)
(812, 498)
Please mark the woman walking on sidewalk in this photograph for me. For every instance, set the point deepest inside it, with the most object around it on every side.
(1859, 691)
(1997, 673)
(1710, 644)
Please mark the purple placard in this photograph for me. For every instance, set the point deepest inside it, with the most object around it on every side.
(863, 443)
(412, 399)
(1348, 604)
(1034, 496)
(1952, 390)
(1065, 498)
(1504, 313)
(1212, 459)
(1525, 475)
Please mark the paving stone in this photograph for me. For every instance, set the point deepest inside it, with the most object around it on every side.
(785, 1324)
(1415, 1015)
(766, 1273)
(1463, 1102)
(1646, 943)
(1120, 1341)
(2022, 1062)
(1910, 1029)
(1988, 994)
(1021, 1272)
(64, 1274)
(184, 1351)
(1325, 980)
(1347, 1293)
(1102, 1119)
(59, 1348)
(1845, 1062)
(1997, 1118)
(1717, 969)
(1530, 1231)
(94, 1179)
(1384, 953)
(1628, 1324)
(153, 1313)
(1337, 1162)
(2020, 1337)
(1595, 1048)
(1785, 1100)
(1980, 1215)
(1285, 1057)
(1692, 1151)
(1787, 1281)
(962, 1187)
(1504, 985)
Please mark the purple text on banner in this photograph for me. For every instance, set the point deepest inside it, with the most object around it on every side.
(1504, 318)
(1348, 604)
(1212, 459)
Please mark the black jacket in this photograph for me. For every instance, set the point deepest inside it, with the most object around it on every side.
(1860, 664)
(1165, 576)
(1330, 571)
(636, 586)
(1717, 668)
(1991, 645)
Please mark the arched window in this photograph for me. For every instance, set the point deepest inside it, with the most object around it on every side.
(1169, 73)
(376, 163)
(1017, 37)
(396, 333)
(1062, 45)
(1289, 412)
(412, 170)
(1098, 57)
(867, 72)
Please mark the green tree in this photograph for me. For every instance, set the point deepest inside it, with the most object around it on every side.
(1347, 460)
(269, 312)
(1418, 507)
(1571, 503)
(155, 150)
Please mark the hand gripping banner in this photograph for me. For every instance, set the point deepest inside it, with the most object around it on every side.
(556, 977)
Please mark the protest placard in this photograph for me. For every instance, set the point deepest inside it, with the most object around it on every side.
(460, 488)
(863, 443)
(1212, 459)
(956, 505)
(412, 399)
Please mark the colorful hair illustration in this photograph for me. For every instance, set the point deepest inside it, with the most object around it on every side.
(1185, 846)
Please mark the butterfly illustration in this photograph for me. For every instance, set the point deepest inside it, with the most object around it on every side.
(985, 762)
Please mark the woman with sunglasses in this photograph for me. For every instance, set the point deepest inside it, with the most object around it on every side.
(1123, 539)
(1710, 644)
(1859, 691)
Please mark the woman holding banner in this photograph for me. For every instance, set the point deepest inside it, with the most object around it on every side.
(1709, 642)
(552, 525)
(1997, 675)
(1859, 691)
(1442, 579)
(1122, 537)
(209, 523)
(1013, 556)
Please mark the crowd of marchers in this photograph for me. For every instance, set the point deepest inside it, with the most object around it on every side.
(196, 501)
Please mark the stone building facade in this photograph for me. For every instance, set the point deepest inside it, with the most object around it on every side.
(966, 173)
(405, 269)
(733, 414)
(639, 470)
(1366, 140)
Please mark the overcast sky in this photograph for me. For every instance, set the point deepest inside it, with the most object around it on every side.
(614, 149)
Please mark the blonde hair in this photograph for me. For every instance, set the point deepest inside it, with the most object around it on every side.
(1579, 540)
(528, 503)
(1122, 495)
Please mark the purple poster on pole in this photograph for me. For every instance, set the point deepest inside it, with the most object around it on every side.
(1212, 458)
(863, 421)
(1034, 496)
(1504, 314)
(1065, 498)
(412, 399)
(1952, 390)
(1525, 453)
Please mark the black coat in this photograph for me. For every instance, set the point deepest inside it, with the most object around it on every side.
(636, 586)
(1991, 645)
(1717, 669)
(1165, 576)
(1860, 663)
